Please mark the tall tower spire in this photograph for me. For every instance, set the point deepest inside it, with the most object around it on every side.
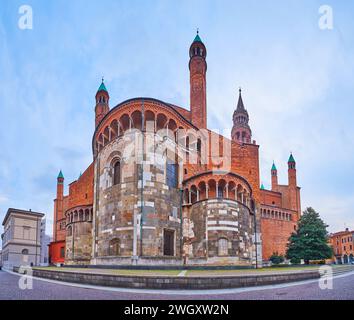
(241, 131)
(58, 206)
(102, 103)
(274, 172)
(292, 171)
(198, 69)
(294, 194)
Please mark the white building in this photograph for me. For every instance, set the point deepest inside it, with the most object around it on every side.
(45, 241)
(21, 240)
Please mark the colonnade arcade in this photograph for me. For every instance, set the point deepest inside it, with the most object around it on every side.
(206, 187)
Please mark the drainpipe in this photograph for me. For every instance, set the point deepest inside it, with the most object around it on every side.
(181, 217)
(255, 233)
(37, 242)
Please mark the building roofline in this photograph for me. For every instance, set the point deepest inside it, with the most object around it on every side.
(335, 234)
(20, 211)
(271, 191)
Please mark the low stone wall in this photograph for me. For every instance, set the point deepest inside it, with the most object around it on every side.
(175, 283)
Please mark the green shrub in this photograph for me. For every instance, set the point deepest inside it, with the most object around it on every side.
(276, 258)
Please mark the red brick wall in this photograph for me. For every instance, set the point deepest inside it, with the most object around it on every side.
(198, 92)
(275, 236)
(271, 198)
(81, 191)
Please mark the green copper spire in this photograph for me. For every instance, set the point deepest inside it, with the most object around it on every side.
(102, 87)
(262, 187)
(80, 175)
(197, 38)
(274, 168)
(291, 159)
(60, 176)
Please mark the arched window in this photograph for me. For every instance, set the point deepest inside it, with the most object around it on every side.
(116, 173)
(25, 252)
(220, 192)
(223, 247)
(69, 231)
(114, 247)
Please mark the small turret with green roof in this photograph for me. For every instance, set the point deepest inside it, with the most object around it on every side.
(102, 103)
(291, 162)
(60, 175)
(291, 159)
(262, 187)
(60, 178)
(197, 38)
(274, 168)
(197, 48)
(102, 87)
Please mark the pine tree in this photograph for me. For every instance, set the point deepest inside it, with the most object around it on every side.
(310, 242)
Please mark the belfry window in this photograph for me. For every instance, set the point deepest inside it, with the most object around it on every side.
(116, 173)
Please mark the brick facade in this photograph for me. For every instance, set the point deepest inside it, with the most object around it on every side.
(164, 189)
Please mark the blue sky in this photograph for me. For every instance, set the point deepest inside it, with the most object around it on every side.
(298, 86)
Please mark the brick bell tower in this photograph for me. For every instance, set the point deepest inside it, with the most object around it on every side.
(198, 69)
(241, 131)
(102, 103)
(294, 192)
(58, 207)
(274, 173)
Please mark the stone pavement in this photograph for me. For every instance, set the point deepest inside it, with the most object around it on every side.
(343, 289)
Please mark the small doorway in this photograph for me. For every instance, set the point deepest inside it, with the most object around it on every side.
(169, 243)
(345, 259)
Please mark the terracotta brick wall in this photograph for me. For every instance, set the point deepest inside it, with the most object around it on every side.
(81, 191)
(275, 236)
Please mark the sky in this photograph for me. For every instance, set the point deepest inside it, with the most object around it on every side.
(297, 80)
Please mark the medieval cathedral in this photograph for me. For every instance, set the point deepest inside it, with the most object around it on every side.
(163, 189)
